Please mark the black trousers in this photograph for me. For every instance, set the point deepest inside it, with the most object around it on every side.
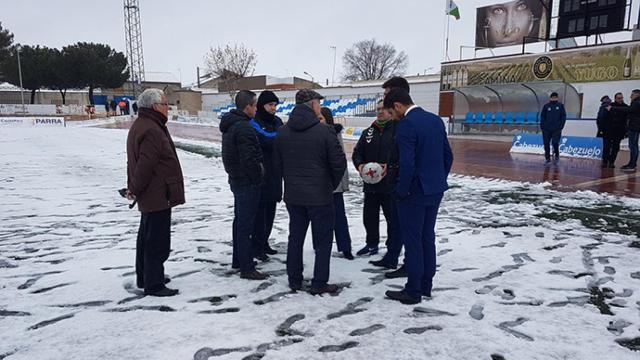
(610, 149)
(246, 200)
(322, 220)
(371, 216)
(152, 249)
(262, 227)
(551, 138)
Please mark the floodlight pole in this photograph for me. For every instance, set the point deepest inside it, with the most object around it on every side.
(20, 76)
(333, 74)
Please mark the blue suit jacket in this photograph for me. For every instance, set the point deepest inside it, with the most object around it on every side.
(425, 154)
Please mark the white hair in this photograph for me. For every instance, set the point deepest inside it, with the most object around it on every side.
(150, 97)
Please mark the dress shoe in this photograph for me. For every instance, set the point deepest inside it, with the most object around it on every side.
(327, 289)
(400, 273)
(270, 251)
(162, 292)
(254, 275)
(348, 255)
(382, 263)
(403, 297)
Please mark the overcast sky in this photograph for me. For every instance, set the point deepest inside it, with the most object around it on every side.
(289, 36)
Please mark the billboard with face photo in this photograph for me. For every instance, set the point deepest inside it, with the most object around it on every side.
(510, 23)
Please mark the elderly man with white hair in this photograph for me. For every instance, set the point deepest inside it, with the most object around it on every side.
(154, 179)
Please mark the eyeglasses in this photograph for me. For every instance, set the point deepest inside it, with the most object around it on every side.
(165, 104)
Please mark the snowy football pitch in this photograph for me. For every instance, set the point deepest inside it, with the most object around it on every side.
(524, 272)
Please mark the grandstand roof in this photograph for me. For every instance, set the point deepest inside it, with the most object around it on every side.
(164, 77)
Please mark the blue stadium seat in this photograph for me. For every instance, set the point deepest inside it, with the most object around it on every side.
(520, 118)
(468, 119)
(532, 118)
(508, 118)
(488, 118)
(499, 118)
(479, 118)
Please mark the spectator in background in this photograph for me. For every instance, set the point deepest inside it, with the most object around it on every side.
(106, 107)
(154, 179)
(376, 145)
(134, 107)
(113, 106)
(552, 120)
(425, 162)
(312, 162)
(614, 129)
(122, 105)
(605, 101)
(341, 225)
(127, 109)
(243, 162)
(633, 116)
(266, 125)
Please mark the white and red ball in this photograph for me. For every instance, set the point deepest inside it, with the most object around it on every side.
(372, 173)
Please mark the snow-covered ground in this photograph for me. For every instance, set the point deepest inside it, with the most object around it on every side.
(524, 272)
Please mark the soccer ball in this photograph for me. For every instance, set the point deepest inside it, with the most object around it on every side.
(371, 173)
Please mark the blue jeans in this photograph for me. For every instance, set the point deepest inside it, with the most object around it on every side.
(246, 202)
(321, 219)
(633, 148)
(417, 216)
(343, 239)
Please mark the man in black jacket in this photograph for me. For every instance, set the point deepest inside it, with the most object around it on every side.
(633, 116)
(312, 163)
(375, 145)
(242, 160)
(266, 125)
(614, 128)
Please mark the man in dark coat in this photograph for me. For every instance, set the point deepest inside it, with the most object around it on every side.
(552, 120)
(375, 145)
(313, 163)
(425, 162)
(614, 128)
(242, 159)
(605, 101)
(633, 118)
(266, 125)
(154, 180)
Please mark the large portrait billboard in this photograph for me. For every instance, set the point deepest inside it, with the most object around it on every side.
(512, 23)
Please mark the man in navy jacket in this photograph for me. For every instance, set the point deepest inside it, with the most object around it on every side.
(552, 119)
(425, 160)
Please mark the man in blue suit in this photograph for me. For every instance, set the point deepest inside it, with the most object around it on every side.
(425, 161)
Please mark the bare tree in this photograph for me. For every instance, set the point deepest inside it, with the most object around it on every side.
(231, 61)
(368, 60)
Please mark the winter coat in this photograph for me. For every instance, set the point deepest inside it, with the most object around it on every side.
(601, 118)
(310, 158)
(553, 117)
(615, 124)
(241, 153)
(154, 175)
(378, 145)
(633, 115)
(344, 183)
(266, 127)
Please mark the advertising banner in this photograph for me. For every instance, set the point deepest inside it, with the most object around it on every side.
(607, 63)
(571, 146)
(512, 22)
(32, 121)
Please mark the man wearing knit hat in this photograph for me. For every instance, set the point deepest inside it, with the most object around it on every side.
(266, 125)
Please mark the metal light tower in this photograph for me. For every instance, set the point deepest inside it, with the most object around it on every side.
(133, 39)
